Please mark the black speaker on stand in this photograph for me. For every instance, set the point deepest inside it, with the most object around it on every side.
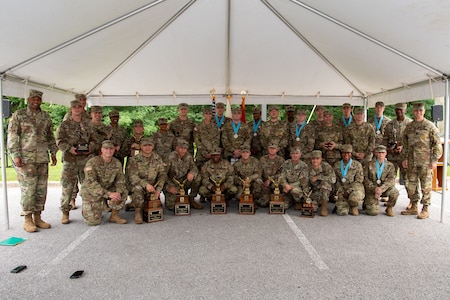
(437, 113)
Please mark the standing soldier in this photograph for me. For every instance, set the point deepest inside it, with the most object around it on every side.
(104, 181)
(361, 136)
(255, 126)
(349, 183)
(379, 122)
(100, 130)
(290, 114)
(271, 165)
(346, 119)
(207, 138)
(30, 139)
(302, 135)
(379, 181)
(133, 143)
(319, 116)
(181, 170)
(421, 151)
(118, 135)
(75, 139)
(145, 175)
(275, 131)
(248, 169)
(321, 182)
(164, 140)
(235, 134)
(329, 139)
(84, 114)
(294, 179)
(183, 127)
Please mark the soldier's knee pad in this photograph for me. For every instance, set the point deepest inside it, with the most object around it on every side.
(342, 208)
(372, 209)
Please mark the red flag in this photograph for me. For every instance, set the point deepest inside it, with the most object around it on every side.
(243, 110)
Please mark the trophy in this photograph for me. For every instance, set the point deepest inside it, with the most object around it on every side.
(182, 205)
(276, 204)
(153, 211)
(307, 208)
(246, 204)
(218, 204)
(82, 148)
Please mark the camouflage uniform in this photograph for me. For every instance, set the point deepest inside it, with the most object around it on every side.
(379, 136)
(101, 178)
(353, 185)
(231, 142)
(305, 141)
(84, 116)
(322, 187)
(101, 133)
(118, 135)
(164, 144)
(179, 168)
(183, 129)
(256, 146)
(207, 138)
(142, 170)
(362, 138)
(30, 137)
(252, 170)
(271, 168)
(329, 134)
(222, 171)
(296, 175)
(69, 134)
(387, 186)
(275, 132)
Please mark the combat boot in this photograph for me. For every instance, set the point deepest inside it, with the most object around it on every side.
(354, 211)
(194, 204)
(106, 208)
(39, 222)
(72, 204)
(389, 212)
(115, 217)
(65, 218)
(412, 211)
(324, 209)
(138, 216)
(28, 225)
(409, 205)
(424, 213)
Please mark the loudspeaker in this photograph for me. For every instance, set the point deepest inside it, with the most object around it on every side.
(6, 104)
(437, 113)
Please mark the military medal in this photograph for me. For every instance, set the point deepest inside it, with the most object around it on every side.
(236, 128)
(378, 181)
(378, 123)
(235, 136)
(347, 123)
(344, 171)
(255, 127)
(255, 134)
(343, 180)
(378, 132)
(380, 169)
(297, 139)
(298, 130)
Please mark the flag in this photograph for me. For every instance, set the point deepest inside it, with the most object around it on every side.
(243, 110)
(228, 113)
(213, 105)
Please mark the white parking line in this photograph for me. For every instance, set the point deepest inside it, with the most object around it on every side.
(68, 250)
(306, 244)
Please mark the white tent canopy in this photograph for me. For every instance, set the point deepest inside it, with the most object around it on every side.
(145, 52)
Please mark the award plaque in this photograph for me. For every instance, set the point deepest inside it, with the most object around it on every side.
(182, 206)
(246, 205)
(218, 204)
(307, 210)
(276, 204)
(153, 211)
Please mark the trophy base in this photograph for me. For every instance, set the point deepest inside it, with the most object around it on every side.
(307, 210)
(182, 209)
(153, 211)
(276, 207)
(246, 205)
(298, 206)
(218, 205)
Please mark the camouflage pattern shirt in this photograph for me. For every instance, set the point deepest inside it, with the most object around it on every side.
(255, 145)
(101, 133)
(184, 129)
(326, 134)
(379, 135)
(271, 167)
(275, 132)
(325, 176)
(179, 167)
(118, 135)
(353, 179)
(142, 170)
(207, 138)
(295, 174)
(235, 137)
(70, 133)
(251, 169)
(165, 143)
(393, 134)
(387, 179)
(305, 139)
(222, 172)
(362, 138)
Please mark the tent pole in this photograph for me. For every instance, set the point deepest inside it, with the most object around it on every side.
(227, 85)
(4, 205)
(445, 161)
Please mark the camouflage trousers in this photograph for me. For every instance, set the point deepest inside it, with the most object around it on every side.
(424, 175)
(229, 192)
(92, 207)
(255, 190)
(33, 179)
(372, 208)
(320, 194)
(354, 199)
(170, 198)
(264, 199)
(72, 173)
(293, 196)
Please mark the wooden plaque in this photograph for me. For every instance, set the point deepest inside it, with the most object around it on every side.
(307, 210)
(246, 205)
(153, 211)
(218, 204)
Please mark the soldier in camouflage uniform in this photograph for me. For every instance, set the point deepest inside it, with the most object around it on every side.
(220, 171)
(329, 139)
(101, 131)
(75, 139)
(319, 117)
(255, 126)
(379, 181)
(271, 165)
(235, 134)
(118, 135)
(104, 181)
(84, 114)
(379, 122)
(294, 179)
(164, 140)
(290, 115)
(133, 142)
(321, 182)
(207, 138)
(275, 131)
(30, 139)
(248, 168)
(361, 135)
(346, 119)
(302, 135)
(349, 183)
(183, 127)
(145, 175)
(220, 119)
(421, 151)
(181, 170)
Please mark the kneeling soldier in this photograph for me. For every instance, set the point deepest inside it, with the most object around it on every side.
(294, 179)
(321, 181)
(248, 168)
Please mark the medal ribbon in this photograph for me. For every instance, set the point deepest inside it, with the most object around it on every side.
(298, 129)
(219, 122)
(345, 170)
(349, 120)
(256, 125)
(379, 169)
(236, 127)
(378, 123)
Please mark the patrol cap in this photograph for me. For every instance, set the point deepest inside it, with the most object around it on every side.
(327, 113)
(35, 93)
(237, 110)
(216, 151)
(147, 141)
(296, 150)
(400, 106)
(207, 110)
(379, 103)
(245, 148)
(320, 107)
(273, 107)
(380, 148)
(346, 105)
(347, 148)
(183, 105)
(96, 108)
(80, 96)
(220, 105)
(301, 112)
(256, 110)
(138, 122)
(290, 108)
(182, 143)
(273, 145)
(418, 106)
(162, 121)
(359, 110)
(74, 103)
(113, 113)
(316, 153)
(107, 144)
